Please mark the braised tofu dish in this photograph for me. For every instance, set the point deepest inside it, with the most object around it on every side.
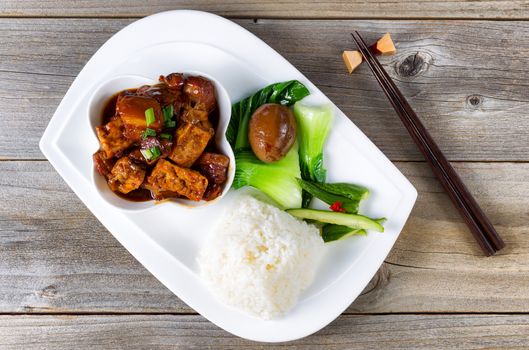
(157, 141)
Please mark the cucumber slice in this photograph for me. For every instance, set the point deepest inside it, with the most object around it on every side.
(352, 220)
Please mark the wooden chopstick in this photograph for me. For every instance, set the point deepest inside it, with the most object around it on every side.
(475, 218)
(430, 150)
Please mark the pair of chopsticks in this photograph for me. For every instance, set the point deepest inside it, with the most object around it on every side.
(476, 220)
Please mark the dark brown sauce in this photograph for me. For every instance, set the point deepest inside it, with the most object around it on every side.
(214, 118)
(109, 108)
(139, 195)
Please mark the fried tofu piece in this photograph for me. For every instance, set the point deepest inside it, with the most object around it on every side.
(169, 180)
(131, 110)
(197, 116)
(112, 139)
(190, 142)
(126, 176)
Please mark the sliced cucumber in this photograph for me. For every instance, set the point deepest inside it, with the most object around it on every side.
(351, 220)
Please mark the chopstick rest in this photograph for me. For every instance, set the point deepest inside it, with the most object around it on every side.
(383, 46)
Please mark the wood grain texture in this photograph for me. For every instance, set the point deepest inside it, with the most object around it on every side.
(55, 257)
(194, 332)
(270, 8)
(436, 265)
(465, 79)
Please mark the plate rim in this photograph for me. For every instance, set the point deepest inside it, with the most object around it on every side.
(48, 146)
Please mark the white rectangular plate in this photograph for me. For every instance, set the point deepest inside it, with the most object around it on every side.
(167, 240)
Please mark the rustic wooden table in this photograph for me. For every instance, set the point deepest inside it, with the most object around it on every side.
(65, 282)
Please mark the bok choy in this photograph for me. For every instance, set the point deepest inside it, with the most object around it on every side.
(285, 93)
(314, 124)
(349, 205)
(332, 232)
(277, 180)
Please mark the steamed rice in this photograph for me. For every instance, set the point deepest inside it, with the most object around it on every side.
(259, 258)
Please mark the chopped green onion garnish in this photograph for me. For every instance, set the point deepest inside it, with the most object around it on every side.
(149, 116)
(168, 113)
(155, 152)
(166, 136)
(147, 154)
(170, 124)
(148, 132)
(151, 153)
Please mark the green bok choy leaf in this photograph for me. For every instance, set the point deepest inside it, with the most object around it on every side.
(314, 124)
(332, 232)
(349, 205)
(285, 93)
(277, 180)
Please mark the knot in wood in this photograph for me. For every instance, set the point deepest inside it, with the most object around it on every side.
(474, 101)
(47, 292)
(413, 65)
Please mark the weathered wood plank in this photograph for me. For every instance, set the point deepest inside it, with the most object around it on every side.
(54, 254)
(270, 8)
(194, 332)
(466, 79)
(56, 257)
(437, 266)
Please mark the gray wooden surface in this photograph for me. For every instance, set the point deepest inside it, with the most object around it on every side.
(496, 9)
(194, 332)
(468, 93)
(65, 282)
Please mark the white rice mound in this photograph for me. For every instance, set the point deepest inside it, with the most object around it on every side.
(259, 258)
